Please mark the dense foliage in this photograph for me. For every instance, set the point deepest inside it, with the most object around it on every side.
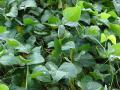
(59, 45)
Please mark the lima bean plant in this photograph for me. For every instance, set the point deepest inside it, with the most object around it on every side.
(59, 45)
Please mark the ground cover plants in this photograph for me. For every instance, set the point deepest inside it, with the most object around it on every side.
(59, 45)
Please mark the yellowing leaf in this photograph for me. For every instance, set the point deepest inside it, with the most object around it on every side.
(72, 14)
(105, 15)
(112, 38)
(103, 38)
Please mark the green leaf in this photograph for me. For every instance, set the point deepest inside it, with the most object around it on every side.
(116, 4)
(4, 87)
(85, 17)
(58, 75)
(112, 38)
(2, 29)
(29, 20)
(45, 16)
(9, 60)
(36, 57)
(80, 3)
(55, 73)
(27, 3)
(13, 11)
(36, 74)
(93, 31)
(41, 73)
(115, 28)
(72, 14)
(84, 81)
(13, 43)
(113, 14)
(31, 40)
(86, 60)
(93, 86)
(53, 20)
(57, 45)
(103, 38)
(97, 75)
(68, 45)
(69, 68)
(105, 15)
(117, 49)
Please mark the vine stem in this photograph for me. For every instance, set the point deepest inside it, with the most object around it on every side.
(27, 73)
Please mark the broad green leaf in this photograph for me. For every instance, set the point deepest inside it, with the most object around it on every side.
(13, 43)
(97, 75)
(2, 3)
(68, 45)
(31, 40)
(85, 17)
(72, 14)
(51, 66)
(93, 86)
(9, 60)
(28, 21)
(85, 60)
(45, 16)
(115, 28)
(102, 67)
(2, 29)
(104, 21)
(117, 49)
(27, 3)
(84, 81)
(116, 4)
(41, 73)
(13, 11)
(58, 75)
(80, 3)
(112, 38)
(63, 33)
(53, 20)
(4, 87)
(69, 68)
(113, 14)
(104, 15)
(36, 57)
(110, 49)
(51, 44)
(55, 73)
(93, 31)
(57, 45)
(103, 38)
